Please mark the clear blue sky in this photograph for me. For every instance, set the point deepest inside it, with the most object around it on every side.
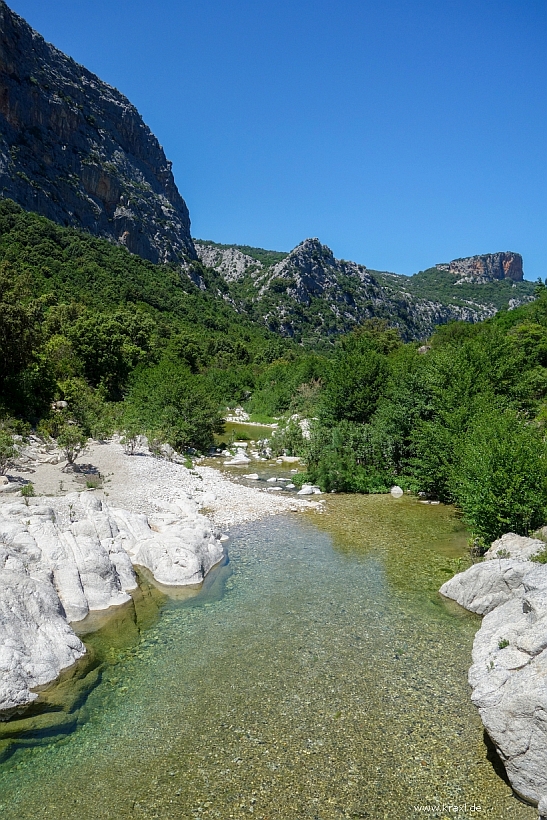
(400, 132)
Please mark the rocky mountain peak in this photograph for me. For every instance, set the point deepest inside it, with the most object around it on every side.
(314, 269)
(486, 268)
(74, 149)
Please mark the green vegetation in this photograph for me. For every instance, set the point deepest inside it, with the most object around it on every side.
(463, 422)
(94, 340)
(122, 341)
(27, 491)
(439, 285)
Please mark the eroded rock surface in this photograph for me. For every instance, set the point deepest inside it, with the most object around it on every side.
(487, 268)
(74, 149)
(60, 558)
(509, 671)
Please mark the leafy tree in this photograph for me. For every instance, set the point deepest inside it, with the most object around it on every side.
(8, 450)
(174, 405)
(110, 346)
(20, 318)
(355, 383)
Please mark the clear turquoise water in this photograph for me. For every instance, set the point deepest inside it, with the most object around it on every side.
(319, 676)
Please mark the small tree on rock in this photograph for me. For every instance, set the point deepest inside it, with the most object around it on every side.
(8, 450)
(130, 439)
(72, 441)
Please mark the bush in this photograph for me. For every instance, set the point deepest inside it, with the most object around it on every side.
(28, 492)
(288, 440)
(175, 406)
(499, 478)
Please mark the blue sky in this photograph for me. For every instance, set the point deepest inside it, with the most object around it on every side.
(401, 133)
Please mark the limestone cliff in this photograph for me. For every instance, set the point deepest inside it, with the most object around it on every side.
(74, 149)
(487, 268)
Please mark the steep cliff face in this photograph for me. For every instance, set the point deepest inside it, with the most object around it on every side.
(75, 150)
(487, 268)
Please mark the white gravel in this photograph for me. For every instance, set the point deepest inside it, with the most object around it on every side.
(142, 483)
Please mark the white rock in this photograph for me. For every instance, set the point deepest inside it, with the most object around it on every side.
(309, 489)
(36, 642)
(509, 671)
(396, 491)
(515, 546)
(251, 476)
(56, 565)
(240, 457)
(271, 480)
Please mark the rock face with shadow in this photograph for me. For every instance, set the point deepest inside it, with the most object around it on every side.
(509, 671)
(61, 558)
(74, 149)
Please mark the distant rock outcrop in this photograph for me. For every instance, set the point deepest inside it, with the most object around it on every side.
(74, 149)
(311, 270)
(487, 268)
(231, 263)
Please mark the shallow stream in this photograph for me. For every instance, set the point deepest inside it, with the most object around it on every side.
(318, 675)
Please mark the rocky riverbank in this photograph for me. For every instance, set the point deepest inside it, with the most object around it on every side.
(509, 672)
(65, 554)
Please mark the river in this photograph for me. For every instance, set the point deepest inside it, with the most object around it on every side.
(317, 675)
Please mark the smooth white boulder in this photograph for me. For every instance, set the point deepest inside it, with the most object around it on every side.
(309, 489)
(509, 671)
(396, 491)
(36, 642)
(63, 559)
(240, 457)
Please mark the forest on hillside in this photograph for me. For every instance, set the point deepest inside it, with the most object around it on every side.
(134, 347)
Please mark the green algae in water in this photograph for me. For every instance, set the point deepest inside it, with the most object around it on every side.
(327, 682)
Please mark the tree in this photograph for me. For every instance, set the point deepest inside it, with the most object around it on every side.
(174, 405)
(355, 383)
(72, 441)
(20, 317)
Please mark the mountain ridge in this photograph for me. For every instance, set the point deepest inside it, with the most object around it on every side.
(307, 293)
